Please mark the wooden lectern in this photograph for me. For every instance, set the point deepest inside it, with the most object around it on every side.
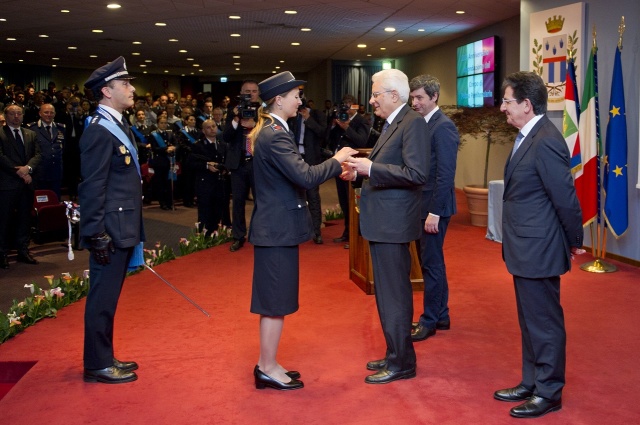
(360, 269)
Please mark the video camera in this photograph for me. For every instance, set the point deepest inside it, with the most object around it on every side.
(341, 113)
(247, 108)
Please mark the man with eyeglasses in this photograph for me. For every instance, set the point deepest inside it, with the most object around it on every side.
(394, 174)
(542, 230)
(19, 156)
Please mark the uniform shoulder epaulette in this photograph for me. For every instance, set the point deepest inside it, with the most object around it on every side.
(32, 124)
(95, 119)
(276, 127)
(60, 125)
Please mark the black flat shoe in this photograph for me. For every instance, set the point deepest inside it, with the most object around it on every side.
(263, 381)
(236, 245)
(441, 325)
(386, 376)
(26, 257)
(109, 375)
(377, 364)
(125, 366)
(535, 407)
(518, 393)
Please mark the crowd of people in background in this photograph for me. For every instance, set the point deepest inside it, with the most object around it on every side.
(173, 134)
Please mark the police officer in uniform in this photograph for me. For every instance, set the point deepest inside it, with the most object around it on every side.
(111, 226)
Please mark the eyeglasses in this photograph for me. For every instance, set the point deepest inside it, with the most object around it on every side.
(508, 101)
(375, 94)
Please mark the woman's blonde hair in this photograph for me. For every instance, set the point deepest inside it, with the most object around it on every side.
(263, 119)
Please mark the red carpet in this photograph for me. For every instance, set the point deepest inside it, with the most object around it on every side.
(195, 370)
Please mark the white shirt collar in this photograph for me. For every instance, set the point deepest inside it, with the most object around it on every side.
(430, 114)
(392, 116)
(528, 126)
(283, 122)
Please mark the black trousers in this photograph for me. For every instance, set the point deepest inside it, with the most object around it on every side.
(241, 182)
(394, 298)
(100, 308)
(434, 273)
(15, 217)
(544, 338)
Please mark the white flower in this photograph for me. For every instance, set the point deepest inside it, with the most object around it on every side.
(30, 286)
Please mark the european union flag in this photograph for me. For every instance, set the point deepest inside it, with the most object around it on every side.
(616, 211)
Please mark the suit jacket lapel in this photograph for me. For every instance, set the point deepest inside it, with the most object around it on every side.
(390, 130)
(522, 150)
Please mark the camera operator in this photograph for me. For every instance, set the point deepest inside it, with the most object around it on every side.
(240, 121)
(309, 130)
(352, 130)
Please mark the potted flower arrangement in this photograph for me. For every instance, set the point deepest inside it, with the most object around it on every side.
(489, 125)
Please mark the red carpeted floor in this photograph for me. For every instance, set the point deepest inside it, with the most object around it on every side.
(198, 370)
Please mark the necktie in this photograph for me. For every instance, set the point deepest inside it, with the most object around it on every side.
(48, 131)
(18, 137)
(384, 127)
(517, 143)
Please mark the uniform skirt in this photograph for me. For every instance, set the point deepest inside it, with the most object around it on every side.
(275, 280)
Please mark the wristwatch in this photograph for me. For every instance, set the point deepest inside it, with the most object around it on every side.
(30, 169)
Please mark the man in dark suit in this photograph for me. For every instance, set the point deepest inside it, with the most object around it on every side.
(51, 140)
(354, 133)
(542, 230)
(390, 217)
(238, 162)
(207, 164)
(309, 130)
(438, 205)
(19, 157)
(163, 146)
(111, 225)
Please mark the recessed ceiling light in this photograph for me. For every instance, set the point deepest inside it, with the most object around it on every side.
(182, 51)
(55, 59)
(237, 69)
(368, 54)
(390, 29)
(192, 73)
(30, 51)
(196, 65)
(277, 67)
(182, 75)
(166, 71)
(43, 36)
(113, 6)
(421, 30)
(97, 31)
(161, 24)
(273, 72)
(234, 17)
(236, 63)
(383, 48)
(460, 12)
(290, 12)
(72, 48)
(400, 41)
(236, 56)
(199, 70)
(148, 60)
(142, 65)
(190, 59)
(135, 54)
(295, 43)
(137, 42)
(64, 11)
(305, 29)
(20, 60)
(281, 61)
(173, 40)
(144, 72)
(3, 20)
(93, 56)
(362, 46)
(11, 39)
(255, 46)
(54, 65)
(235, 35)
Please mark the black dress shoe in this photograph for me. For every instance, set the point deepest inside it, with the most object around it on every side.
(109, 375)
(377, 364)
(318, 239)
(263, 381)
(341, 239)
(442, 325)
(4, 262)
(519, 393)
(236, 245)
(125, 366)
(293, 374)
(420, 333)
(535, 407)
(26, 257)
(385, 376)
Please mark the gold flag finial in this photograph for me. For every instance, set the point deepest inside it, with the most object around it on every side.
(595, 46)
(621, 28)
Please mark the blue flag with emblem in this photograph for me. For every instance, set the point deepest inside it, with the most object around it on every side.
(616, 209)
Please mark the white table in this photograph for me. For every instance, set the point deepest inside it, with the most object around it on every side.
(494, 219)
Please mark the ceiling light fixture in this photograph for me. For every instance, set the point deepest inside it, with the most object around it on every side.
(234, 17)
(362, 46)
(64, 11)
(93, 56)
(43, 36)
(182, 51)
(135, 54)
(113, 6)
(400, 41)
(295, 43)
(97, 31)
(137, 42)
(148, 60)
(11, 39)
(30, 51)
(390, 29)
(190, 59)
(72, 48)
(255, 46)
(236, 56)
(235, 35)
(290, 12)
(421, 30)
(173, 40)
(305, 29)
(161, 24)
(460, 12)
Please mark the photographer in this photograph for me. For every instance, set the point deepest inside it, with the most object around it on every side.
(240, 121)
(206, 161)
(352, 130)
